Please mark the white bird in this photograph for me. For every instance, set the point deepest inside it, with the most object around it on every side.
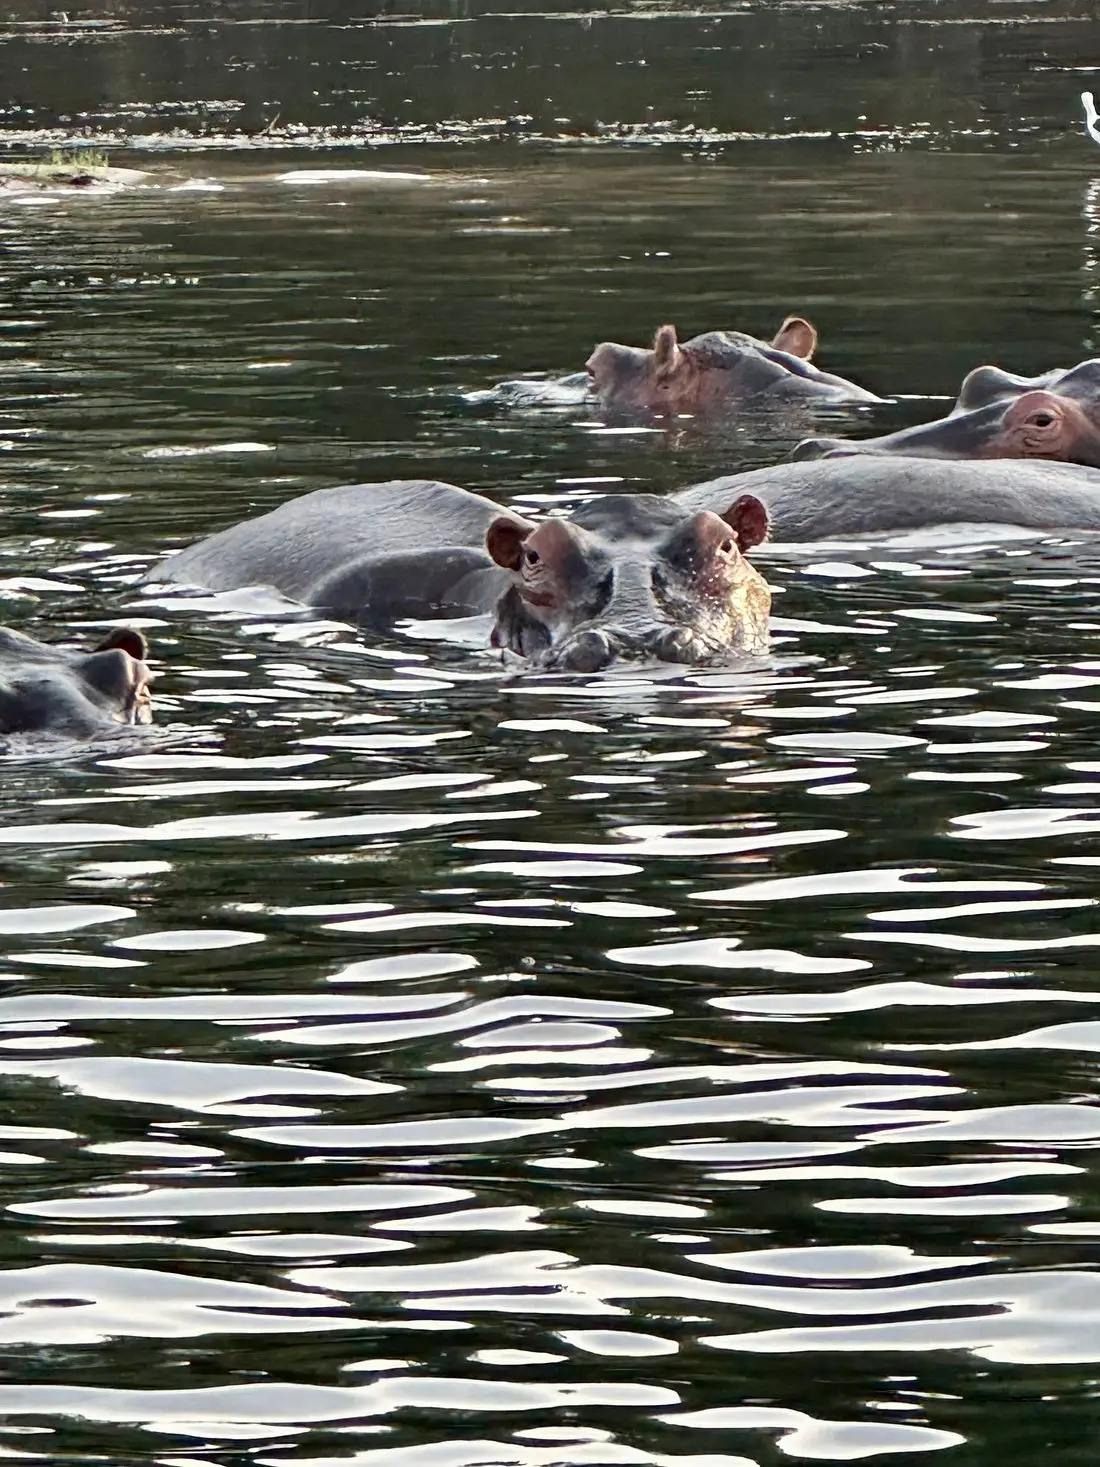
(1092, 117)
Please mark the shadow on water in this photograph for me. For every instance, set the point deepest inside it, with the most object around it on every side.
(410, 1061)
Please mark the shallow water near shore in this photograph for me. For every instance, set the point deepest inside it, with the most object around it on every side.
(407, 1060)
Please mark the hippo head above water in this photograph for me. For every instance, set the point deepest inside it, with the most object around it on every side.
(73, 694)
(670, 378)
(631, 576)
(998, 415)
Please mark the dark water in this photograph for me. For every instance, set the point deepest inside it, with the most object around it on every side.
(413, 1064)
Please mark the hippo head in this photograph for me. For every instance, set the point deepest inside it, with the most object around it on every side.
(1055, 416)
(631, 576)
(1038, 424)
(668, 378)
(50, 689)
(998, 415)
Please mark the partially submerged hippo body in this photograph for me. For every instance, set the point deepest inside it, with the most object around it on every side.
(865, 494)
(533, 392)
(73, 694)
(998, 415)
(716, 373)
(625, 576)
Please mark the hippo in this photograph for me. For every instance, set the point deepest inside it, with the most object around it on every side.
(45, 688)
(717, 372)
(865, 494)
(998, 415)
(626, 576)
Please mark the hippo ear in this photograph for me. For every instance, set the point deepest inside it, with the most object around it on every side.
(796, 336)
(128, 639)
(504, 540)
(666, 351)
(813, 448)
(748, 519)
(983, 385)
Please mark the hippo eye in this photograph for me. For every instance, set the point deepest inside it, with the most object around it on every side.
(531, 557)
(726, 547)
(1042, 420)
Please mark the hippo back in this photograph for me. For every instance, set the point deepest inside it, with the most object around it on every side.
(760, 368)
(877, 492)
(307, 542)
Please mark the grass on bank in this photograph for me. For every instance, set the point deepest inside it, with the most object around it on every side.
(58, 166)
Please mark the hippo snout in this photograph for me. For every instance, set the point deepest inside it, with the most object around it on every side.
(591, 649)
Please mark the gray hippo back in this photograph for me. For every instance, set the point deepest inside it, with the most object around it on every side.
(298, 547)
(857, 495)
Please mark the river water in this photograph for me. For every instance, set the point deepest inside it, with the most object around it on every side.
(413, 1064)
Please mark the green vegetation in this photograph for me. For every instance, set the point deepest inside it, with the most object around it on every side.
(60, 167)
(86, 160)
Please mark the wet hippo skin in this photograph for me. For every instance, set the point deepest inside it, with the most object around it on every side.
(306, 545)
(46, 688)
(998, 415)
(625, 576)
(716, 373)
(861, 494)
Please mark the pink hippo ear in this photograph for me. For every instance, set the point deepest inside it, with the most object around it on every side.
(796, 336)
(748, 519)
(504, 541)
(666, 351)
(128, 639)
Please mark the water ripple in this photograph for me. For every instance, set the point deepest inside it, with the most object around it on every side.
(346, 1122)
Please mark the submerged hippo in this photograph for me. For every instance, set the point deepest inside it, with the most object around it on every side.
(862, 494)
(58, 690)
(716, 372)
(999, 415)
(625, 576)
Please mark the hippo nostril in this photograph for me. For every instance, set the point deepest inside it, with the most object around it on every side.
(678, 644)
(588, 652)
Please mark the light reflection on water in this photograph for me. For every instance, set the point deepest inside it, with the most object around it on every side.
(409, 1056)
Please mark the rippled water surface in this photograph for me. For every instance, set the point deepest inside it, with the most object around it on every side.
(413, 1063)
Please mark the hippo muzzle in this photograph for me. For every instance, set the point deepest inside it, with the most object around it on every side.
(593, 648)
